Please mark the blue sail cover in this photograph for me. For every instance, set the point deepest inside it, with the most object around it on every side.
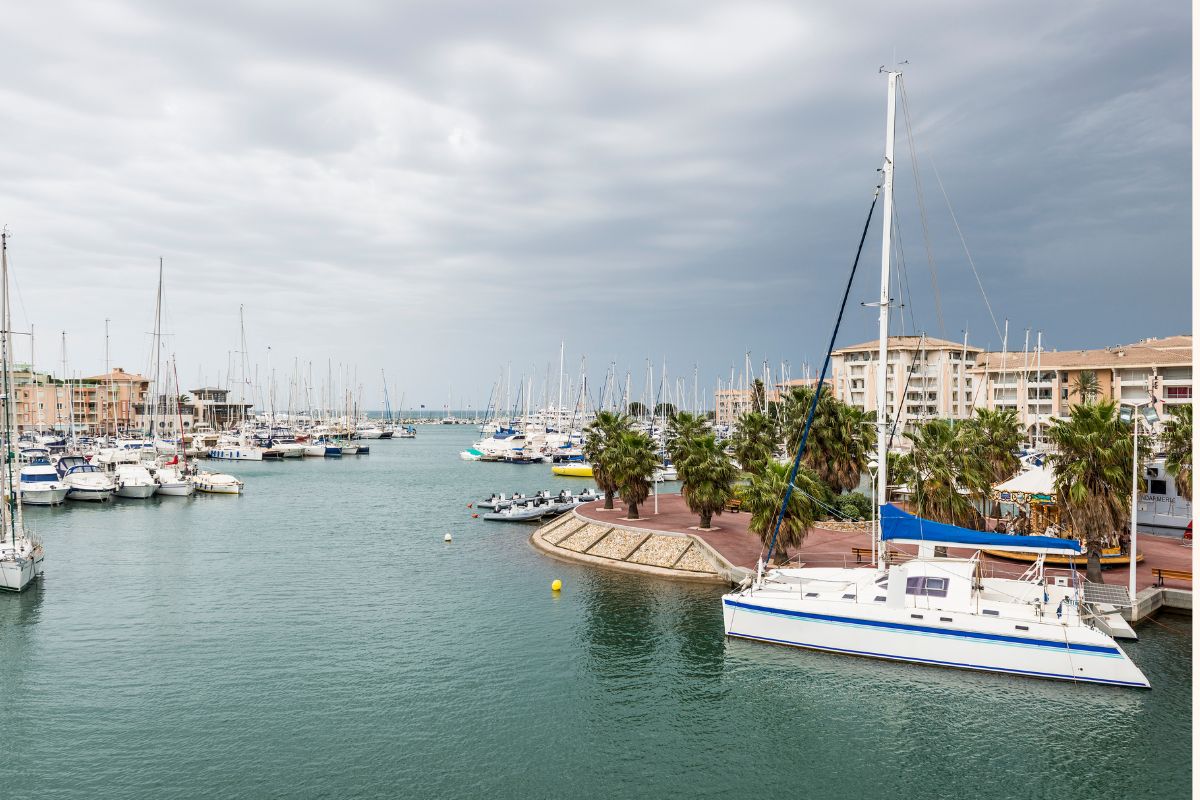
(901, 527)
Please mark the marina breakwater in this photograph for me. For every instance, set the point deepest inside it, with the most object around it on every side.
(620, 544)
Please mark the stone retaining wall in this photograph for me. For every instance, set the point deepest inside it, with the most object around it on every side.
(669, 555)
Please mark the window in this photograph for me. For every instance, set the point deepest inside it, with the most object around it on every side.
(927, 586)
(1156, 487)
(1179, 392)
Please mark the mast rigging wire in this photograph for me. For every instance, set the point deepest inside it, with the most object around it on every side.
(812, 409)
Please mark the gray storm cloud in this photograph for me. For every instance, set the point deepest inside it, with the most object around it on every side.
(439, 189)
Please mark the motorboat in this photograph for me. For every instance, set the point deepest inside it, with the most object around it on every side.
(405, 432)
(323, 448)
(289, 449)
(41, 485)
(524, 512)
(943, 611)
(217, 483)
(471, 454)
(573, 469)
(349, 449)
(495, 501)
(369, 432)
(84, 481)
(667, 473)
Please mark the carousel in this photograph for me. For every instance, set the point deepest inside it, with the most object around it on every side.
(1027, 505)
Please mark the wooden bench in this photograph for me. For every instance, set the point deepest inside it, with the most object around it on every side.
(1161, 575)
(859, 552)
(734, 505)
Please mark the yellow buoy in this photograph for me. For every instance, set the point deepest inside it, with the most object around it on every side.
(556, 586)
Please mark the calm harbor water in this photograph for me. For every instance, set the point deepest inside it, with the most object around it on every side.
(316, 638)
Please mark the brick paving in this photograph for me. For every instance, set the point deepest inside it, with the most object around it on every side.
(822, 547)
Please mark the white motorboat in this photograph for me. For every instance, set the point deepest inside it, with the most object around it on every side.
(217, 483)
(471, 454)
(84, 481)
(518, 513)
(667, 473)
(289, 449)
(349, 449)
(135, 482)
(369, 432)
(40, 484)
(173, 482)
(405, 432)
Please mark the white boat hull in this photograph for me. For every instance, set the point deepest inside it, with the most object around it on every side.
(17, 573)
(43, 496)
(90, 493)
(1041, 650)
(137, 491)
(177, 489)
(236, 454)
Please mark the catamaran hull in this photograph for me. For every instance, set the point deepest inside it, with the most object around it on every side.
(43, 497)
(1045, 650)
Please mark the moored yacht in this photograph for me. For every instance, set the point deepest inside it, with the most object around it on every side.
(84, 481)
(217, 483)
(40, 484)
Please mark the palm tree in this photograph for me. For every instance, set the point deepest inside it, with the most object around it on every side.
(598, 437)
(1177, 442)
(839, 443)
(1086, 386)
(630, 462)
(708, 477)
(943, 465)
(1092, 481)
(681, 430)
(763, 498)
(994, 438)
(754, 441)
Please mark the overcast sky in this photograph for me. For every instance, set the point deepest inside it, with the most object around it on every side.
(443, 188)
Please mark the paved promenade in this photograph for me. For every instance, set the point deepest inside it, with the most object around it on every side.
(823, 547)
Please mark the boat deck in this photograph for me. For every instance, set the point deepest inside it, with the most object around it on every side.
(823, 547)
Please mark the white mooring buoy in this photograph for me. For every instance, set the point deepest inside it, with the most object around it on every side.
(448, 538)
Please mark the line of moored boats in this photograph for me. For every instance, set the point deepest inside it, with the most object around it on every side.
(518, 507)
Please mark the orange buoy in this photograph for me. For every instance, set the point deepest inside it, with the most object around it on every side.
(474, 516)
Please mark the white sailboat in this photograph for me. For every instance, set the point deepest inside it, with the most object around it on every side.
(934, 610)
(21, 557)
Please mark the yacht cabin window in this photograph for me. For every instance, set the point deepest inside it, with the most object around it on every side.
(927, 586)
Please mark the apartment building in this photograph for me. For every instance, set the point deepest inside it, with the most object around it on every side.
(730, 404)
(926, 377)
(1042, 385)
(101, 403)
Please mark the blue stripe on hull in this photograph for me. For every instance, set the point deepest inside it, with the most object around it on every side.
(935, 662)
(1082, 649)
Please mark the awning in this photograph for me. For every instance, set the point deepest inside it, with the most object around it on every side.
(901, 527)
(1032, 485)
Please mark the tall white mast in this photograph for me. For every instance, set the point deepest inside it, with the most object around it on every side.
(885, 293)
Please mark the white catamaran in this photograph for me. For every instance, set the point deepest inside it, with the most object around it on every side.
(935, 610)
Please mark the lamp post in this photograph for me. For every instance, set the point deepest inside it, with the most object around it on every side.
(1147, 412)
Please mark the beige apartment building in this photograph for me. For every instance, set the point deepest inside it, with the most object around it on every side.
(730, 404)
(99, 404)
(1040, 386)
(927, 377)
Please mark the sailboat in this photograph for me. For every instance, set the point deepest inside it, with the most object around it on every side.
(930, 609)
(21, 556)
